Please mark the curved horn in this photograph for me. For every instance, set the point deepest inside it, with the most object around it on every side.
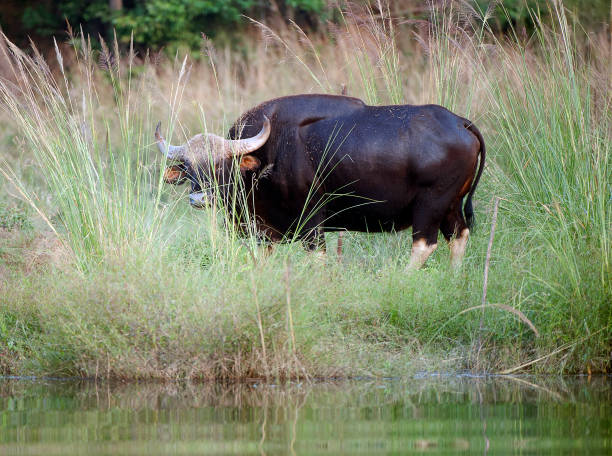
(237, 147)
(171, 152)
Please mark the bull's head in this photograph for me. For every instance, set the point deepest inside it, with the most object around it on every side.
(205, 154)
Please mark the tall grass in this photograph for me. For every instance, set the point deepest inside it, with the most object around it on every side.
(553, 122)
(88, 127)
(556, 136)
(155, 289)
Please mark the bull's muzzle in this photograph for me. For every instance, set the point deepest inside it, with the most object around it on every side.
(199, 200)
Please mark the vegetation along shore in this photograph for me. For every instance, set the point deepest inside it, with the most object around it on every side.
(107, 272)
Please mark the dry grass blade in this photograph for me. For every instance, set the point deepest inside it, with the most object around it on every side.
(485, 280)
(533, 385)
(548, 355)
(507, 308)
(260, 325)
(287, 278)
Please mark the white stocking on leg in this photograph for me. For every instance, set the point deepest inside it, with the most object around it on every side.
(420, 252)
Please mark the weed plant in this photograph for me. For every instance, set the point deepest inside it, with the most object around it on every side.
(139, 285)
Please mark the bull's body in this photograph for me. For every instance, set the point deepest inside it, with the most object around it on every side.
(396, 166)
(335, 163)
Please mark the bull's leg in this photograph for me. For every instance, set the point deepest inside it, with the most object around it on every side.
(455, 230)
(421, 250)
(425, 227)
(268, 249)
(457, 248)
(424, 242)
(266, 240)
(314, 242)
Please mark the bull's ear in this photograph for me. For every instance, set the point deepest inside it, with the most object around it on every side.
(249, 163)
(174, 175)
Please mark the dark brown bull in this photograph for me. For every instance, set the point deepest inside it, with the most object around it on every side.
(327, 163)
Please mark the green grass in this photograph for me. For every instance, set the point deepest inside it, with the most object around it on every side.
(138, 285)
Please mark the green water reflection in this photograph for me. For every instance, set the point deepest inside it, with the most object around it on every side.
(434, 415)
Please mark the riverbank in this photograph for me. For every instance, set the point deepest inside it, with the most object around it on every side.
(111, 274)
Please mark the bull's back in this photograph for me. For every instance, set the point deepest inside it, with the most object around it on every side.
(401, 143)
(380, 158)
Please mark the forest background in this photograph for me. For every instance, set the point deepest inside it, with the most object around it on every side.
(179, 24)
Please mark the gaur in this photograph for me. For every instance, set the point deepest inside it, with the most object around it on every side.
(316, 163)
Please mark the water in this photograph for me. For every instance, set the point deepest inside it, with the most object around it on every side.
(433, 415)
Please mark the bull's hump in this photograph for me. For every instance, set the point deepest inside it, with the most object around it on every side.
(307, 106)
(309, 97)
(295, 111)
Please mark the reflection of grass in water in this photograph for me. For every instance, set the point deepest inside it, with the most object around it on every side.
(420, 389)
(158, 290)
(438, 413)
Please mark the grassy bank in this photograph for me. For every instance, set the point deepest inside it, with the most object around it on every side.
(118, 277)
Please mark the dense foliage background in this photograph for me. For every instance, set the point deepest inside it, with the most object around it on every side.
(154, 23)
(176, 24)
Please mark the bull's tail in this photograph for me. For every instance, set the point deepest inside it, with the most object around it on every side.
(468, 210)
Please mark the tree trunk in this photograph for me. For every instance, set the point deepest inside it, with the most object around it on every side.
(116, 5)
